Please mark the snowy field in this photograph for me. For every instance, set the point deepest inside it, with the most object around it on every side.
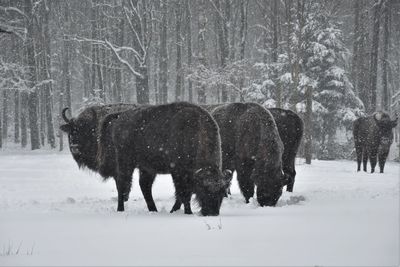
(52, 213)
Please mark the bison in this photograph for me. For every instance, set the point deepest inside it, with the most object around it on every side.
(290, 128)
(251, 145)
(373, 136)
(179, 138)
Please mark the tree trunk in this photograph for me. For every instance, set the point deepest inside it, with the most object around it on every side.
(98, 55)
(386, 40)
(178, 38)
(5, 114)
(156, 52)
(232, 41)
(16, 116)
(362, 63)
(103, 65)
(242, 43)
(94, 47)
(86, 69)
(1, 133)
(142, 83)
(48, 86)
(222, 44)
(308, 126)
(163, 59)
(189, 46)
(33, 95)
(24, 130)
(356, 44)
(201, 39)
(61, 121)
(299, 52)
(66, 58)
(275, 21)
(374, 55)
(289, 30)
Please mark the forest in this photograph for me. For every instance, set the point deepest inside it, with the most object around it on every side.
(329, 61)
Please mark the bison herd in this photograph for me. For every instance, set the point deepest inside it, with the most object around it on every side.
(201, 146)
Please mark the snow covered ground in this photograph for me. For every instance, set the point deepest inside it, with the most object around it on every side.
(52, 213)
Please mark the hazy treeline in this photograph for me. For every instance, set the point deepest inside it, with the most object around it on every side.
(330, 61)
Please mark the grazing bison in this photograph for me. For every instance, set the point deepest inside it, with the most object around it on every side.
(251, 145)
(290, 128)
(373, 136)
(178, 138)
(83, 132)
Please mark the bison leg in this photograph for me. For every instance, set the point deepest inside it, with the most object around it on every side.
(365, 159)
(288, 166)
(123, 179)
(382, 161)
(123, 188)
(246, 185)
(290, 185)
(177, 206)
(359, 153)
(183, 190)
(373, 159)
(146, 181)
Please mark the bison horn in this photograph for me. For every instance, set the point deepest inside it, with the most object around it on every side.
(64, 115)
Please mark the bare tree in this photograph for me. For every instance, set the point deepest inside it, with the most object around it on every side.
(374, 55)
(242, 36)
(189, 45)
(66, 61)
(201, 39)
(32, 79)
(163, 59)
(222, 33)
(178, 39)
(308, 126)
(385, 58)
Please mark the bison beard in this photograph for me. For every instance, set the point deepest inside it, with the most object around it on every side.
(178, 138)
(373, 136)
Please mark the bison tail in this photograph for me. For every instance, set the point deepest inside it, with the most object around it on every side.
(106, 151)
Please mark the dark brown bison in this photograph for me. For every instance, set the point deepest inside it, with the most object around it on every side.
(373, 136)
(83, 132)
(290, 128)
(179, 138)
(251, 145)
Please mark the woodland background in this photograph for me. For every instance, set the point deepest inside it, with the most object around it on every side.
(330, 61)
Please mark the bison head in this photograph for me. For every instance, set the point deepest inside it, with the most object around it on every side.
(270, 182)
(385, 125)
(211, 187)
(82, 137)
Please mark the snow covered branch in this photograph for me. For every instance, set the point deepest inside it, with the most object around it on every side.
(123, 61)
